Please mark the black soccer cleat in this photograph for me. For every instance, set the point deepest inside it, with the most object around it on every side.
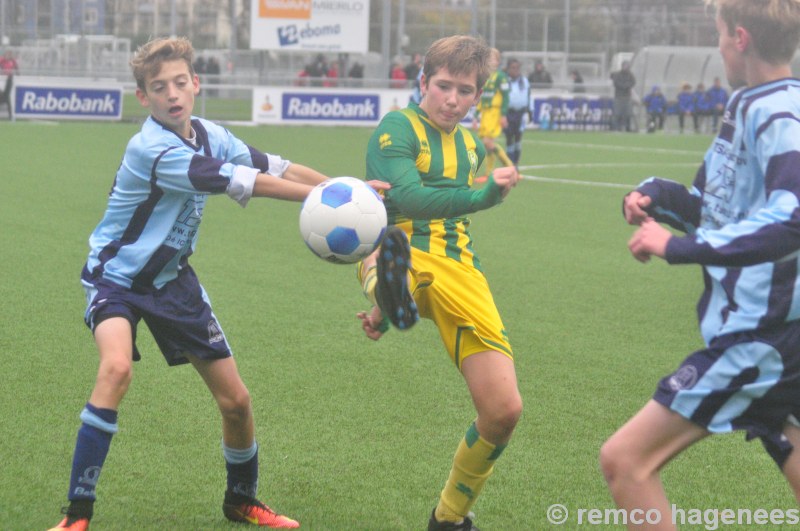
(391, 290)
(436, 525)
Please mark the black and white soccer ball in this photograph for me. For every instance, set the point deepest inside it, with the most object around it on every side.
(343, 220)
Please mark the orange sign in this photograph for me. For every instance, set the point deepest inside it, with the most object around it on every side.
(284, 9)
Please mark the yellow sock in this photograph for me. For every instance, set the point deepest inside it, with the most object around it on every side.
(489, 162)
(502, 155)
(368, 280)
(472, 466)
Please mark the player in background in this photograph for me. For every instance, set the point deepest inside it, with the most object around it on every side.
(519, 107)
(430, 160)
(742, 226)
(138, 269)
(491, 114)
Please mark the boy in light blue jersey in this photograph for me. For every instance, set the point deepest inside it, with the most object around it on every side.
(742, 224)
(138, 269)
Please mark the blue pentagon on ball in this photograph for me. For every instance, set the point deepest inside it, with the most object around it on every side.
(343, 240)
(336, 195)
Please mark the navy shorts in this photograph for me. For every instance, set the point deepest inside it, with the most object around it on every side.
(178, 315)
(743, 381)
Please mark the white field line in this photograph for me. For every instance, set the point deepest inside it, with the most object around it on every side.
(578, 182)
(627, 149)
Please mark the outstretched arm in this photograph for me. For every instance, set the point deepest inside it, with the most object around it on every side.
(649, 240)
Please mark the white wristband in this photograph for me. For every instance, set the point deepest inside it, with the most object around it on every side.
(240, 188)
(277, 165)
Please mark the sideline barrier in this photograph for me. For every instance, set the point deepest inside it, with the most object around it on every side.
(364, 107)
(326, 106)
(63, 98)
(571, 111)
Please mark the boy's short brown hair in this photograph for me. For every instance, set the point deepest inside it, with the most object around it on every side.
(460, 54)
(773, 24)
(148, 57)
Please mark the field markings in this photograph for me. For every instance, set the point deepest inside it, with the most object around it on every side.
(607, 147)
(591, 165)
(579, 183)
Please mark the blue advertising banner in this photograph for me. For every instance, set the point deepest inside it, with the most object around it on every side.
(315, 106)
(57, 100)
(571, 112)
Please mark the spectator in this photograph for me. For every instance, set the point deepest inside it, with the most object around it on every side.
(331, 76)
(540, 78)
(413, 68)
(656, 105)
(213, 70)
(685, 105)
(718, 98)
(317, 70)
(199, 66)
(8, 64)
(398, 76)
(702, 107)
(356, 72)
(302, 77)
(624, 81)
(577, 82)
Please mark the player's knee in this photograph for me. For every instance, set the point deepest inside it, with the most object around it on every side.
(235, 406)
(613, 461)
(513, 412)
(116, 373)
(506, 415)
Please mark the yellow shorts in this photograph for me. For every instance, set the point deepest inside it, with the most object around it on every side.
(489, 126)
(457, 298)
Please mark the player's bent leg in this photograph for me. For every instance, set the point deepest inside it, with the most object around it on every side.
(238, 445)
(392, 291)
(791, 467)
(232, 397)
(373, 322)
(114, 340)
(633, 456)
(492, 382)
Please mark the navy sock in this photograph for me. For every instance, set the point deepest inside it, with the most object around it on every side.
(91, 448)
(517, 150)
(242, 466)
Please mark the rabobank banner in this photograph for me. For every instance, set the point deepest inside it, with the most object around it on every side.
(300, 106)
(568, 111)
(310, 25)
(66, 99)
(325, 105)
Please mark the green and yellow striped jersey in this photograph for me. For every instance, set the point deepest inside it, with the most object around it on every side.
(431, 172)
(495, 93)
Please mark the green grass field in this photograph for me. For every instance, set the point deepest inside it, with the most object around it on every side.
(354, 435)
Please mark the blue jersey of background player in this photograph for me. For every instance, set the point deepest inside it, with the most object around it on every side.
(742, 226)
(138, 269)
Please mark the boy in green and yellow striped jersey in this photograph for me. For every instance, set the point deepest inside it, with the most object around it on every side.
(491, 113)
(427, 262)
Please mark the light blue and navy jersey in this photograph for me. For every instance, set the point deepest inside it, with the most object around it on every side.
(519, 94)
(150, 226)
(742, 215)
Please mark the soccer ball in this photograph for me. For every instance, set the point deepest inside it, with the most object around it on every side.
(342, 220)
